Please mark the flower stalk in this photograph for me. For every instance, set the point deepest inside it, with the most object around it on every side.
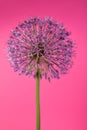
(38, 100)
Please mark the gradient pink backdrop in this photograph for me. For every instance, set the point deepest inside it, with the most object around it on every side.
(64, 101)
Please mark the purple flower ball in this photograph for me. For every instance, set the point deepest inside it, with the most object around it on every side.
(43, 43)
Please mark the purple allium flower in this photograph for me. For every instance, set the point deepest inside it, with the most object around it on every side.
(43, 43)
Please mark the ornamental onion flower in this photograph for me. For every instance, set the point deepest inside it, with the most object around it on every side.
(40, 47)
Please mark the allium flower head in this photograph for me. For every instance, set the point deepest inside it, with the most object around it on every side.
(43, 43)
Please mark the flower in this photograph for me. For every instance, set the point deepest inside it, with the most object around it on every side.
(43, 43)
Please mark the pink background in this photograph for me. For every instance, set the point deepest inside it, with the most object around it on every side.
(64, 101)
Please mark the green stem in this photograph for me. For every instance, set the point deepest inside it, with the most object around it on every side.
(38, 100)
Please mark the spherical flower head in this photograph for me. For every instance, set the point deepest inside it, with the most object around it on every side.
(43, 43)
